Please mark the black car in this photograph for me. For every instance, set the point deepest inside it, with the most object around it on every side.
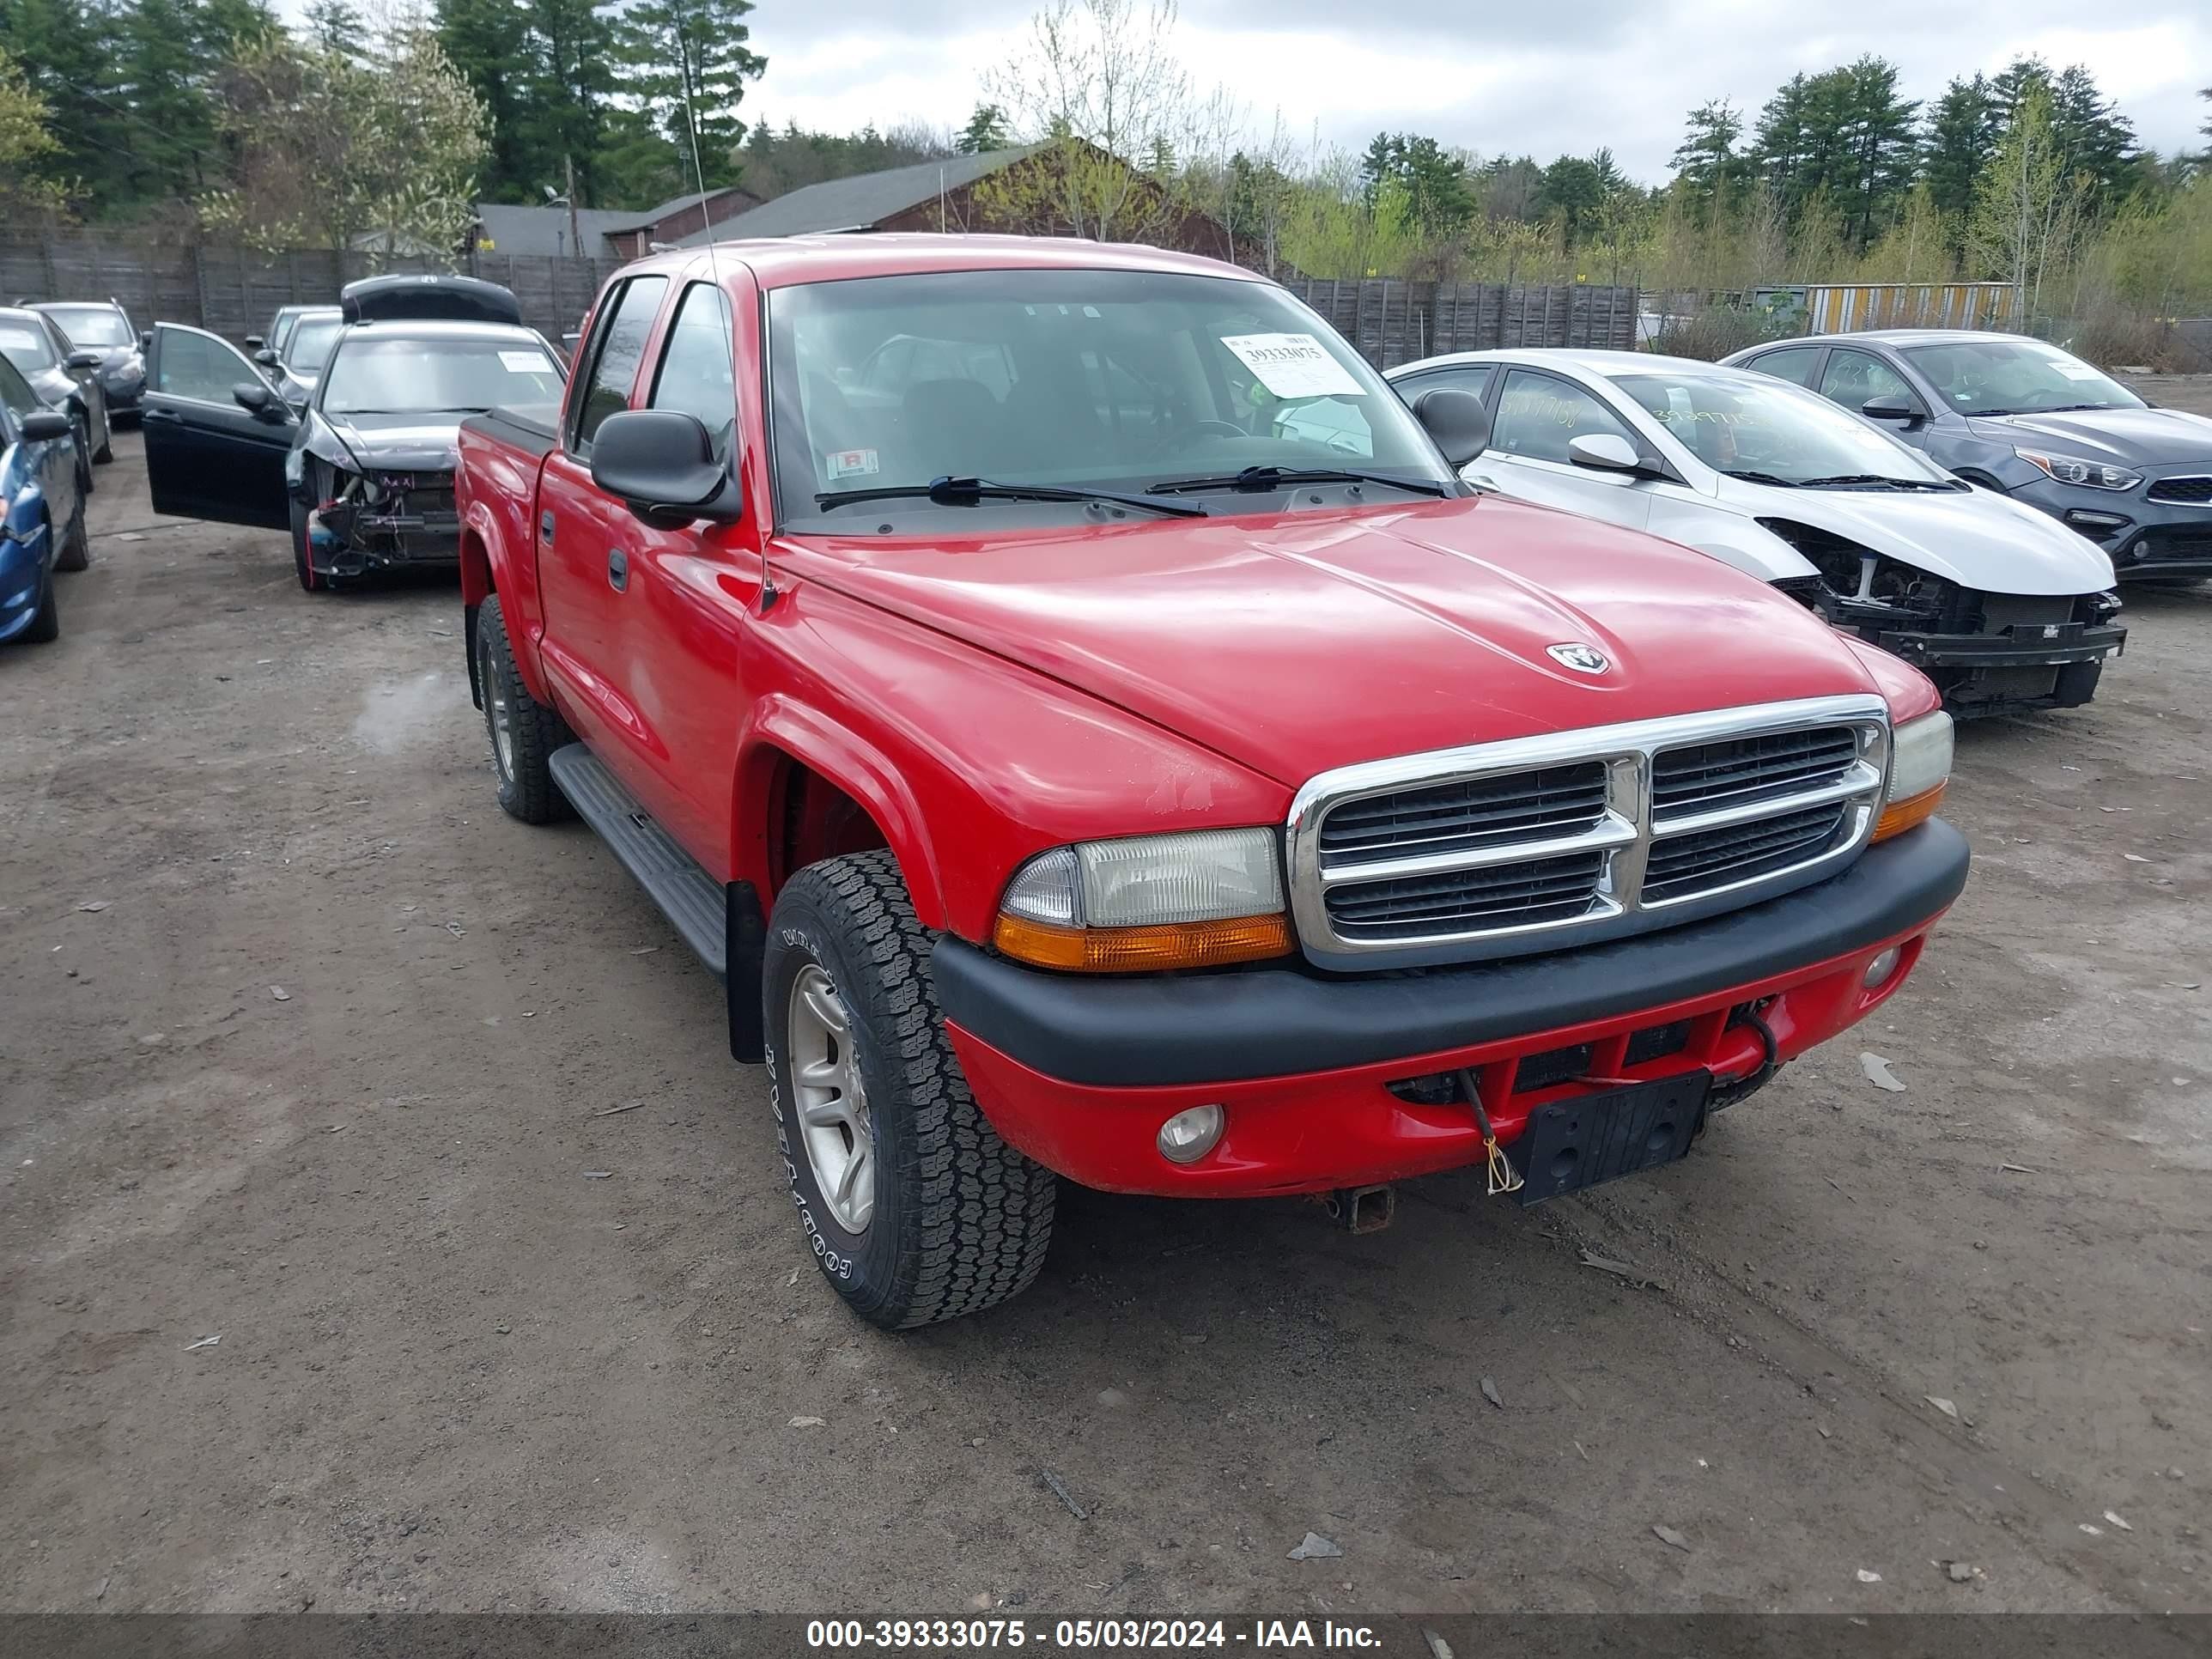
(362, 474)
(2018, 415)
(67, 378)
(104, 326)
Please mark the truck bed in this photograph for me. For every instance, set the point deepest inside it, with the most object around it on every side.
(533, 428)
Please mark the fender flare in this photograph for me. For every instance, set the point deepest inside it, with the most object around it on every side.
(480, 529)
(818, 741)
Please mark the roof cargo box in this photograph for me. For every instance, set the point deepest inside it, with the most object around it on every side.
(456, 299)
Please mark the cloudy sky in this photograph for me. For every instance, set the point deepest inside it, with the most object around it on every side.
(1518, 76)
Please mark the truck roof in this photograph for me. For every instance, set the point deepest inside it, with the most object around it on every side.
(781, 261)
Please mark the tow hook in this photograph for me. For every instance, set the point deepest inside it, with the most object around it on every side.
(1362, 1209)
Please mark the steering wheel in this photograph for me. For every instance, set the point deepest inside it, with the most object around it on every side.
(1219, 431)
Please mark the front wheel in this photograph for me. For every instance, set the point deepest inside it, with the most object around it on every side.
(83, 456)
(105, 452)
(76, 551)
(524, 731)
(47, 625)
(915, 1209)
(303, 564)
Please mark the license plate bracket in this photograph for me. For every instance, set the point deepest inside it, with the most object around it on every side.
(1569, 1145)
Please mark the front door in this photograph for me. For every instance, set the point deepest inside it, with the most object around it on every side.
(207, 455)
(1537, 416)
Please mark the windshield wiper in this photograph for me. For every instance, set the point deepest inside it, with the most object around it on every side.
(1280, 477)
(1760, 478)
(1842, 478)
(2068, 408)
(969, 492)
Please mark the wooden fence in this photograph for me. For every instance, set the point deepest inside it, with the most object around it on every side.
(1394, 322)
(234, 292)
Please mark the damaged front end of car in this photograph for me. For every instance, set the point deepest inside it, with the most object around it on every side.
(377, 519)
(1987, 652)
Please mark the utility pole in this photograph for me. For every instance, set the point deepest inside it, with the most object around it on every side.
(575, 231)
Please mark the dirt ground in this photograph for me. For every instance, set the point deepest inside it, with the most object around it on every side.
(305, 1046)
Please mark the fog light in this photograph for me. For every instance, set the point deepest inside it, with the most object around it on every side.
(1881, 968)
(1188, 1136)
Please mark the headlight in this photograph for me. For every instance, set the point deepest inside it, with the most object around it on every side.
(1196, 899)
(1919, 769)
(2095, 475)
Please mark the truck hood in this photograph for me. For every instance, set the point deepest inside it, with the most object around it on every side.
(1293, 643)
(2126, 437)
(389, 443)
(1974, 538)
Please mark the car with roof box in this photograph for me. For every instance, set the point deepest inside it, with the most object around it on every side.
(1072, 773)
(2027, 419)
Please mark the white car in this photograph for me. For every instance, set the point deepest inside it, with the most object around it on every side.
(2002, 605)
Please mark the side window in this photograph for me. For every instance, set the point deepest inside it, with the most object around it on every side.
(697, 375)
(197, 365)
(1474, 379)
(15, 391)
(1854, 377)
(1538, 417)
(1794, 364)
(617, 351)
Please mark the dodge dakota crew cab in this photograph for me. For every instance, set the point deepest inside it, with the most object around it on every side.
(1073, 771)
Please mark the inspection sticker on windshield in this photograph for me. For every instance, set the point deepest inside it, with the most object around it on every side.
(526, 362)
(1293, 365)
(852, 463)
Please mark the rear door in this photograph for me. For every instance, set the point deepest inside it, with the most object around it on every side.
(207, 457)
(1535, 417)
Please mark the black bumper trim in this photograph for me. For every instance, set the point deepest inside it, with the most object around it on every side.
(1277, 1022)
(2075, 643)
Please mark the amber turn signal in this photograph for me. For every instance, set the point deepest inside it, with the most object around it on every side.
(1900, 816)
(1143, 949)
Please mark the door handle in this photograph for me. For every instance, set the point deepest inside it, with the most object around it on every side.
(162, 414)
(545, 528)
(617, 569)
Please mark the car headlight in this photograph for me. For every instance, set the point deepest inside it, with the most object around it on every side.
(1142, 904)
(1919, 770)
(2067, 470)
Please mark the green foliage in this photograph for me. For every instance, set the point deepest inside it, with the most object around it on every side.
(29, 149)
(986, 130)
(686, 63)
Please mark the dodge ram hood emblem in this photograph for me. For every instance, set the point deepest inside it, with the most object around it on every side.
(1583, 658)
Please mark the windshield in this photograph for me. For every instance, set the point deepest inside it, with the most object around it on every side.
(444, 376)
(26, 347)
(92, 325)
(309, 348)
(1746, 423)
(1998, 376)
(1101, 379)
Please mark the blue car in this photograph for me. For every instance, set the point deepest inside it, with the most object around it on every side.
(41, 508)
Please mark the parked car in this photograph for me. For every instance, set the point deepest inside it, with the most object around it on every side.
(105, 327)
(362, 472)
(296, 365)
(2003, 607)
(279, 331)
(1095, 780)
(2021, 417)
(65, 376)
(41, 508)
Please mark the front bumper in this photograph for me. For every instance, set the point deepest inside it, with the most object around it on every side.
(23, 581)
(2152, 539)
(1079, 1073)
(2025, 645)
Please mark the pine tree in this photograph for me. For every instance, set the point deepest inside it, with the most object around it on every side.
(489, 42)
(336, 26)
(687, 62)
(1706, 164)
(1960, 135)
(986, 130)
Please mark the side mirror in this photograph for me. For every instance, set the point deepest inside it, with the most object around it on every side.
(255, 341)
(84, 359)
(1890, 409)
(146, 340)
(266, 357)
(1605, 451)
(660, 464)
(1457, 421)
(45, 425)
(259, 401)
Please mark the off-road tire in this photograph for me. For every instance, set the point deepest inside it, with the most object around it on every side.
(46, 626)
(75, 551)
(526, 789)
(962, 1221)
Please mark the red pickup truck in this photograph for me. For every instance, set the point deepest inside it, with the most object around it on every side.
(1071, 770)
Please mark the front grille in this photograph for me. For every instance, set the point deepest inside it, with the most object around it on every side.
(1558, 800)
(1519, 895)
(1743, 852)
(2195, 490)
(2027, 610)
(1738, 771)
(1533, 843)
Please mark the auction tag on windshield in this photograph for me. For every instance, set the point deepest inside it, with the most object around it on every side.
(526, 362)
(852, 463)
(2078, 371)
(1293, 365)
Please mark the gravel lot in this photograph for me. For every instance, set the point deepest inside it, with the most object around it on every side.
(305, 1045)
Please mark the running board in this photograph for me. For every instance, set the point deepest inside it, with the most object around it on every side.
(693, 900)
